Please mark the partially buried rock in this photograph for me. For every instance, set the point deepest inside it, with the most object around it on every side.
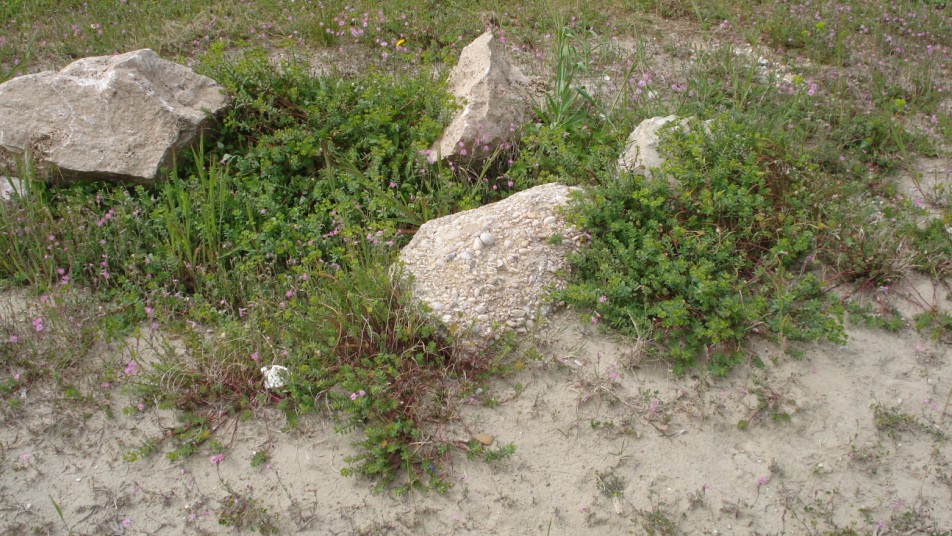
(641, 149)
(119, 118)
(641, 153)
(490, 269)
(495, 98)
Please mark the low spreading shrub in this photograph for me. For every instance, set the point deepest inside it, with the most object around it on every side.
(710, 248)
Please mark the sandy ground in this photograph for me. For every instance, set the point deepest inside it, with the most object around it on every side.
(604, 444)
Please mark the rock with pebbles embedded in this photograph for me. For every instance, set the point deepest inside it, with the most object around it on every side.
(490, 269)
(120, 118)
(496, 101)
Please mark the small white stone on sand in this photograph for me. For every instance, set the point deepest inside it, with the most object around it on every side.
(274, 376)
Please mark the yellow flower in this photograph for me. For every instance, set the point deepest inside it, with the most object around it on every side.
(400, 42)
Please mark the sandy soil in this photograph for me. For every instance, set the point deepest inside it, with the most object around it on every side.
(604, 444)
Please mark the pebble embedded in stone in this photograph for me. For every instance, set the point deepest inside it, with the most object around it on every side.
(487, 239)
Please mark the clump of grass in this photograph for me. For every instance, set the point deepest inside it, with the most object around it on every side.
(354, 341)
(389, 369)
(609, 484)
(242, 511)
(772, 403)
(657, 522)
(561, 109)
(868, 456)
(862, 244)
(938, 324)
(893, 421)
(932, 244)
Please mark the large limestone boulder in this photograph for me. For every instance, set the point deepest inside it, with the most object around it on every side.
(496, 102)
(489, 269)
(118, 117)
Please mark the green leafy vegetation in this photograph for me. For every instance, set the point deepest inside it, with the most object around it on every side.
(709, 250)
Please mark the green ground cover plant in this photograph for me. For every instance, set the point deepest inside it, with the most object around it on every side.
(292, 219)
(706, 252)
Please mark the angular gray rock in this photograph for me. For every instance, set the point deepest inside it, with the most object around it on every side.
(118, 118)
(490, 269)
(495, 98)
